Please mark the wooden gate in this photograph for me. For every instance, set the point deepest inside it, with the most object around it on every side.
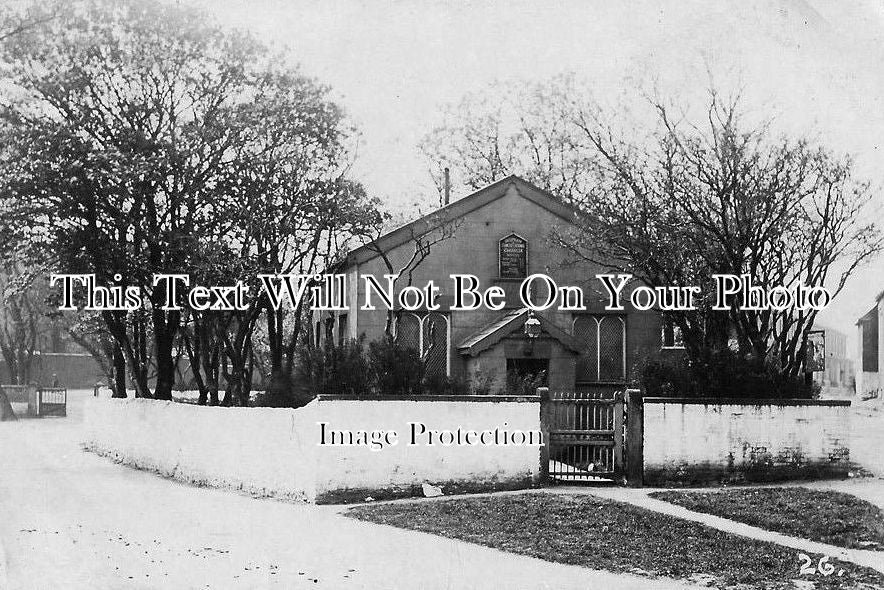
(585, 436)
(52, 401)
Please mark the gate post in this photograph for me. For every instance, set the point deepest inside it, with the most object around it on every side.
(543, 392)
(618, 436)
(635, 459)
(33, 400)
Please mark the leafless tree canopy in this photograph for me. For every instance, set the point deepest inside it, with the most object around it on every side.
(679, 200)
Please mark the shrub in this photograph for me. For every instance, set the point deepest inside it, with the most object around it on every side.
(482, 382)
(335, 368)
(395, 369)
(524, 383)
(388, 368)
(444, 385)
(725, 374)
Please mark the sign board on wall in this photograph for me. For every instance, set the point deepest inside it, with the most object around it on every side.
(513, 257)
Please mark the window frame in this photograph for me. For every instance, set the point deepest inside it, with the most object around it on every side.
(598, 317)
(328, 326)
(675, 339)
(342, 327)
(421, 319)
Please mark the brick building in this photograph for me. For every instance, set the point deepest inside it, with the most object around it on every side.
(501, 234)
(56, 358)
(870, 340)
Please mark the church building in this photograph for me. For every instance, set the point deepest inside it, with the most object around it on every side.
(502, 234)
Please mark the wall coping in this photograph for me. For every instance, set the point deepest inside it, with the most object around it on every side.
(431, 398)
(746, 401)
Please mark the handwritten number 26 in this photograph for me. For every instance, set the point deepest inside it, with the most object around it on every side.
(823, 567)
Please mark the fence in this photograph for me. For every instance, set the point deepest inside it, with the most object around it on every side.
(42, 401)
(52, 401)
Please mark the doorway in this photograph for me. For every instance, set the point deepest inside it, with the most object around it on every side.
(525, 375)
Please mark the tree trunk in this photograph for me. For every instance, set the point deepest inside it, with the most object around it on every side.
(279, 388)
(194, 354)
(236, 390)
(25, 367)
(717, 330)
(117, 327)
(247, 378)
(119, 386)
(214, 371)
(165, 370)
(165, 325)
(227, 400)
(6, 413)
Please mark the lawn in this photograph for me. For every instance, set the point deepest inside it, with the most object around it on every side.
(602, 534)
(820, 515)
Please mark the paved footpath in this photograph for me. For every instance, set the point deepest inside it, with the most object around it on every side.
(639, 497)
(72, 520)
(867, 442)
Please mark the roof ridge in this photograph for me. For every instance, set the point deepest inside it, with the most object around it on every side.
(455, 210)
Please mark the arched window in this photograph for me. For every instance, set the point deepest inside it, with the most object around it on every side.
(586, 332)
(408, 330)
(430, 336)
(612, 336)
(435, 344)
(603, 358)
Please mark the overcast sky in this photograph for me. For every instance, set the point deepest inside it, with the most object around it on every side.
(818, 65)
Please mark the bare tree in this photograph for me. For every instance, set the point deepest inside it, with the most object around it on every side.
(680, 197)
(16, 22)
(726, 196)
(14, 331)
(430, 231)
(6, 412)
(514, 127)
(89, 333)
(297, 210)
(22, 315)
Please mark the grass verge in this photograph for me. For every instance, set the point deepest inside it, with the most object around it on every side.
(820, 515)
(603, 534)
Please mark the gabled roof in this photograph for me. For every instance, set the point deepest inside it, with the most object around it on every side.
(460, 208)
(506, 324)
(869, 317)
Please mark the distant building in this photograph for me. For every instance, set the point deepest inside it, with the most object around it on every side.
(870, 338)
(839, 367)
(57, 358)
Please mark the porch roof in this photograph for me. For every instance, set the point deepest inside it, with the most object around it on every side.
(506, 324)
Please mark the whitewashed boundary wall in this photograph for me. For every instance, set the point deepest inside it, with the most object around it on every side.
(259, 450)
(699, 441)
(275, 452)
